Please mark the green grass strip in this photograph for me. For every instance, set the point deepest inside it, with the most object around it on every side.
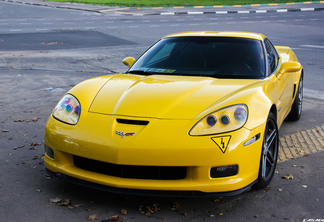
(183, 3)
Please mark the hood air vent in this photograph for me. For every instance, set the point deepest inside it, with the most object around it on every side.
(133, 122)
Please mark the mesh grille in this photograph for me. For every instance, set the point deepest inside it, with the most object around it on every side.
(133, 172)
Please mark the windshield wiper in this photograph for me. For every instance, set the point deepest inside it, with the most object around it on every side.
(140, 72)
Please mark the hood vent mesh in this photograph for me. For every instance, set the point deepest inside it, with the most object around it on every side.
(133, 122)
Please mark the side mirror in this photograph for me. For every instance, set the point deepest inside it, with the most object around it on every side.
(290, 67)
(129, 61)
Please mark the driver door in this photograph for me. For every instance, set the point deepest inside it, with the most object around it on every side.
(283, 85)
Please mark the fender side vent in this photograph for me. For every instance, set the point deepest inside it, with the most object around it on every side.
(294, 92)
(133, 122)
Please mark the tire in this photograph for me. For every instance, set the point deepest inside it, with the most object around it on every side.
(269, 154)
(296, 108)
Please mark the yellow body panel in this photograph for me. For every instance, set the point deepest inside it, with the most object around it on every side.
(172, 105)
(199, 154)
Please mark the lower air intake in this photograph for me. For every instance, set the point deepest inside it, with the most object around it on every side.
(133, 172)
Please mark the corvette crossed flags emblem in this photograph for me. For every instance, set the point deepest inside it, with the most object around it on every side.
(122, 134)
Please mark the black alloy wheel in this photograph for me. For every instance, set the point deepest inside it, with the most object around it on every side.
(269, 153)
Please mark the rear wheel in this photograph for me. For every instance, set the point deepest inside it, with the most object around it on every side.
(269, 153)
(296, 108)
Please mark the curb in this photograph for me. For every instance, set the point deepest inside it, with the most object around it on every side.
(224, 6)
(235, 12)
(42, 3)
(102, 9)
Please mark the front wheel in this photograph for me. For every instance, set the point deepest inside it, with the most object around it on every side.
(269, 153)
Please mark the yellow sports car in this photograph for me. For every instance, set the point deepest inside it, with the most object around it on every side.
(197, 114)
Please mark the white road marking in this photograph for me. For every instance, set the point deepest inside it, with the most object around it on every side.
(243, 12)
(167, 13)
(195, 13)
(307, 9)
(282, 10)
(15, 30)
(313, 46)
(221, 12)
(261, 11)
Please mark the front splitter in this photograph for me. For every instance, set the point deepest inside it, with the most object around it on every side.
(150, 193)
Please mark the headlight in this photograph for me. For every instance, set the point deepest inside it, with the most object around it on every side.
(221, 121)
(68, 110)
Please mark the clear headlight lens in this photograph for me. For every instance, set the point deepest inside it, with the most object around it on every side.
(221, 121)
(68, 110)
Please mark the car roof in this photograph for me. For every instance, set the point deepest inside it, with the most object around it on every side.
(248, 35)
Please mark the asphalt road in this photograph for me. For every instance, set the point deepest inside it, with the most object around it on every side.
(45, 51)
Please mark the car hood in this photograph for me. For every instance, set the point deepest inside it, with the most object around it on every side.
(162, 96)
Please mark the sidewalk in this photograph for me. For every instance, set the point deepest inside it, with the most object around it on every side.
(253, 8)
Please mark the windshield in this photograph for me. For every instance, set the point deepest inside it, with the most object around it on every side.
(219, 57)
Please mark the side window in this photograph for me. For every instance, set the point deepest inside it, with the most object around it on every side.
(272, 56)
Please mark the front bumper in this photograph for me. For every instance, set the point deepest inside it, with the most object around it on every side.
(150, 193)
(94, 138)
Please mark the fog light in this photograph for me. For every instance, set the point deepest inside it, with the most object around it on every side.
(49, 152)
(223, 171)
